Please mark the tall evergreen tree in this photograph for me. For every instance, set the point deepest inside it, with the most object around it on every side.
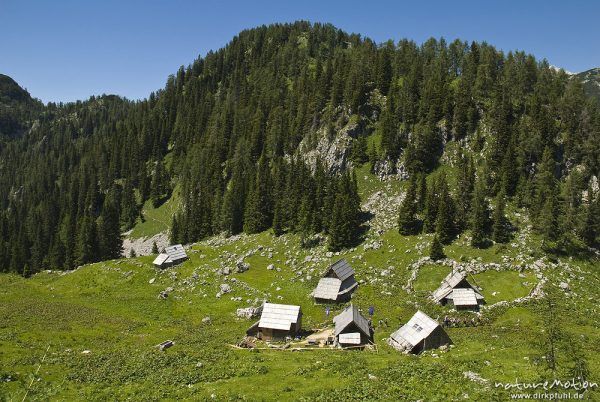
(480, 216)
(436, 252)
(408, 223)
(258, 215)
(500, 229)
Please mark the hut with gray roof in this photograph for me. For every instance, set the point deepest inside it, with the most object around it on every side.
(277, 321)
(172, 255)
(456, 291)
(337, 284)
(352, 328)
(420, 333)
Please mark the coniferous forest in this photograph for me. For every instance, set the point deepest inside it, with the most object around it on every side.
(233, 130)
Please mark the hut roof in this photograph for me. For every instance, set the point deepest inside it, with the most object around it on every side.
(348, 316)
(450, 282)
(279, 316)
(419, 327)
(176, 252)
(342, 270)
(328, 288)
(161, 259)
(352, 338)
(464, 297)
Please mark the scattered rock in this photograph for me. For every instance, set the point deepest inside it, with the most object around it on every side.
(242, 266)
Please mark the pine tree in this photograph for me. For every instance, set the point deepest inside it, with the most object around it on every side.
(546, 221)
(432, 202)
(465, 186)
(500, 230)
(176, 235)
(87, 241)
(159, 187)
(358, 150)
(129, 208)
(480, 217)
(436, 252)
(422, 192)
(338, 235)
(373, 157)
(408, 223)
(445, 227)
(258, 215)
(345, 220)
(109, 234)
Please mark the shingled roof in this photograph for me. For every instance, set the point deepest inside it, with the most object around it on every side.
(348, 316)
(451, 281)
(328, 288)
(342, 270)
(176, 252)
(161, 259)
(464, 297)
(279, 316)
(419, 327)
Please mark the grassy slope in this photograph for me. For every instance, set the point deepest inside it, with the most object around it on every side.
(156, 220)
(112, 310)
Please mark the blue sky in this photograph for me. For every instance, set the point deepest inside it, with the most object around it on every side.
(69, 50)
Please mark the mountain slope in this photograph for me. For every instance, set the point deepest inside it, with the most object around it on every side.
(591, 82)
(267, 133)
(17, 108)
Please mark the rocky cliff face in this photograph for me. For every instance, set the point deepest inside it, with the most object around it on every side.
(331, 144)
(331, 148)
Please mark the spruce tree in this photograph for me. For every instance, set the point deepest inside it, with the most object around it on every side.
(408, 223)
(258, 215)
(480, 217)
(421, 192)
(432, 202)
(436, 252)
(109, 233)
(159, 187)
(87, 241)
(500, 230)
(373, 157)
(445, 227)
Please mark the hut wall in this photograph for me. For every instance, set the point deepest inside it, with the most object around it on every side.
(436, 339)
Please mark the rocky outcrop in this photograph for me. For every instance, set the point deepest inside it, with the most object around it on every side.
(143, 246)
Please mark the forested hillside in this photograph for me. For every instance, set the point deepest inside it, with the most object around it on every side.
(265, 133)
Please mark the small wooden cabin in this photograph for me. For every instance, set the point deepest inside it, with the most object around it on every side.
(456, 291)
(172, 255)
(337, 284)
(277, 321)
(352, 328)
(420, 333)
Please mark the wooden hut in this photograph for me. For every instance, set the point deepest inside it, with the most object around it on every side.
(172, 255)
(337, 284)
(456, 291)
(420, 333)
(277, 321)
(352, 328)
